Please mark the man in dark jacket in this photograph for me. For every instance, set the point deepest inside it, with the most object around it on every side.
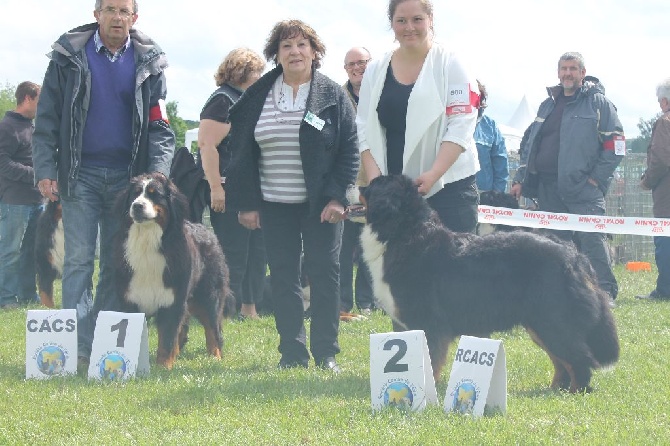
(101, 120)
(569, 157)
(19, 200)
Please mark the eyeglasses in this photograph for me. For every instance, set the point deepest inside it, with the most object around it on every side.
(112, 12)
(358, 63)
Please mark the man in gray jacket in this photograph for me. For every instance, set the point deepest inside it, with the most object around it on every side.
(19, 200)
(569, 156)
(101, 120)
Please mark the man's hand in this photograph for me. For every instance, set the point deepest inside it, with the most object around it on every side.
(516, 190)
(48, 188)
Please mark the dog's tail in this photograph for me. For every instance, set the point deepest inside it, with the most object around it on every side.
(229, 306)
(603, 339)
(593, 305)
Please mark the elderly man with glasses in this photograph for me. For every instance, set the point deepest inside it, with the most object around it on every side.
(101, 120)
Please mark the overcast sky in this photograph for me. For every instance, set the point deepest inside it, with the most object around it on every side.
(512, 46)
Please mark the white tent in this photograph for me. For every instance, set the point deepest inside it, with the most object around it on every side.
(523, 116)
(513, 131)
(191, 137)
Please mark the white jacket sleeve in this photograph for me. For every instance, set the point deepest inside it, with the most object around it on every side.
(363, 109)
(462, 100)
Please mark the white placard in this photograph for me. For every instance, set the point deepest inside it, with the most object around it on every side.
(401, 374)
(478, 379)
(120, 346)
(51, 343)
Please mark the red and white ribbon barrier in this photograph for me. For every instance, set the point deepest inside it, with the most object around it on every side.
(572, 222)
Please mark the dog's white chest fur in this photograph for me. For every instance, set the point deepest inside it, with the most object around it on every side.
(373, 253)
(58, 251)
(146, 288)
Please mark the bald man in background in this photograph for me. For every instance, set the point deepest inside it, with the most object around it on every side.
(355, 62)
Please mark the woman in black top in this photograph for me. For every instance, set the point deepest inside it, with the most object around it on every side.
(244, 248)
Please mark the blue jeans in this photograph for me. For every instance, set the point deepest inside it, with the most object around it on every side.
(663, 264)
(90, 206)
(17, 252)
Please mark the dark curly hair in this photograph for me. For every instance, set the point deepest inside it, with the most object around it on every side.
(288, 29)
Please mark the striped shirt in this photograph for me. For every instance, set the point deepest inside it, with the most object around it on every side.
(280, 166)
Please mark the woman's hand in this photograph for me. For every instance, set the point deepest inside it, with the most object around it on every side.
(218, 198)
(249, 219)
(426, 180)
(446, 157)
(333, 212)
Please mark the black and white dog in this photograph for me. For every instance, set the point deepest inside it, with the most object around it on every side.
(170, 268)
(49, 251)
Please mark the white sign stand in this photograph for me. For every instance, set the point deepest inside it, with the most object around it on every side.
(51, 343)
(478, 379)
(120, 346)
(401, 374)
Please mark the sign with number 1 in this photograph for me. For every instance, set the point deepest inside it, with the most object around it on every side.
(120, 346)
(400, 371)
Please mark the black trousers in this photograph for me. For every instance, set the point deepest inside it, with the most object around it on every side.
(457, 205)
(289, 229)
(245, 256)
(350, 255)
(592, 244)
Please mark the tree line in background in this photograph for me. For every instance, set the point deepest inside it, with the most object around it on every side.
(180, 126)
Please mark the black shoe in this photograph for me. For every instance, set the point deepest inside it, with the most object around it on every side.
(654, 295)
(328, 364)
(285, 364)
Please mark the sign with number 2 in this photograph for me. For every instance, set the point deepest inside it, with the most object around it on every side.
(400, 371)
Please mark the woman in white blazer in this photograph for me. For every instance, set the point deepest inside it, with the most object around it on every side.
(417, 115)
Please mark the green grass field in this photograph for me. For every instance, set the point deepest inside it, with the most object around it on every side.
(243, 399)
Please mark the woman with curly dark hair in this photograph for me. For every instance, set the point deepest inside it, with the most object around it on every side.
(294, 151)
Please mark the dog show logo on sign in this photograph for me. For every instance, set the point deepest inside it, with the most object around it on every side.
(401, 374)
(120, 346)
(478, 380)
(51, 343)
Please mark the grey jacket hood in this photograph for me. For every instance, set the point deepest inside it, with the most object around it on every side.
(74, 41)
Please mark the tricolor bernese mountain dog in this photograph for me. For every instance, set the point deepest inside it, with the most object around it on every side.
(170, 268)
(49, 251)
(429, 278)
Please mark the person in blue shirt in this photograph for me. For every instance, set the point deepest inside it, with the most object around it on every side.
(493, 170)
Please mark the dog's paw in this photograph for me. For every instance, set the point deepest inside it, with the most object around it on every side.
(350, 317)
